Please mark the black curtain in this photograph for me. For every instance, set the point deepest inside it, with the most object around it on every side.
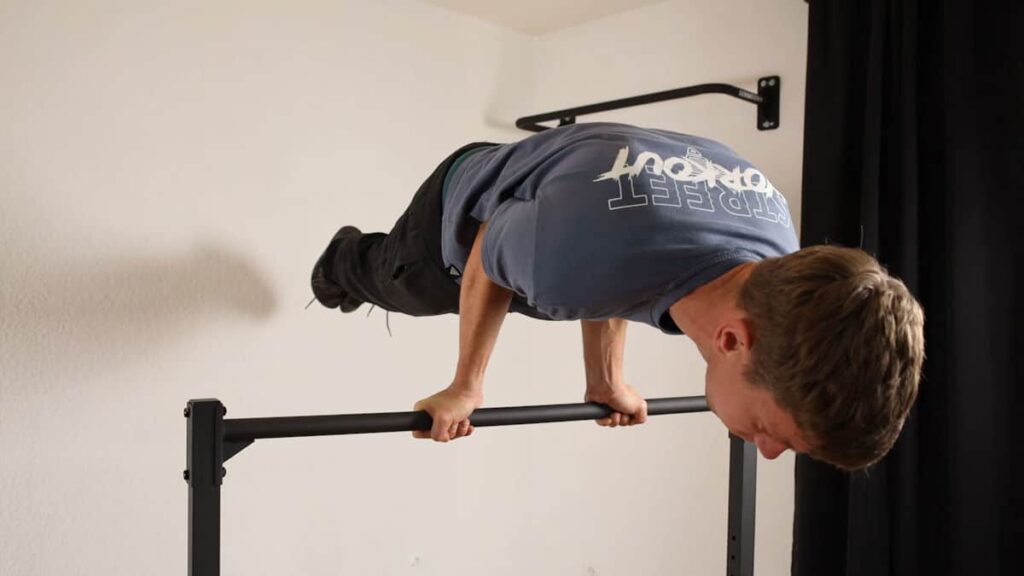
(914, 150)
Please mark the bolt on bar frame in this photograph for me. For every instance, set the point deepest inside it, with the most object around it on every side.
(766, 99)
(213, 440)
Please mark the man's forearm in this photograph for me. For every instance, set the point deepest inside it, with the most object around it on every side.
(482, 308)
(604, 342)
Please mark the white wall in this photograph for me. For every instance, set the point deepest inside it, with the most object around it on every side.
(168, 175)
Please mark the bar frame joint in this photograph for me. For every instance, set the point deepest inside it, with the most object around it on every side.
(204, 474)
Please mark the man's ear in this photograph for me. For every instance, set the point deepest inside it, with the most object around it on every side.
(733, 336)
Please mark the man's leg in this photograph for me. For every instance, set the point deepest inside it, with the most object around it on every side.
(401, 271)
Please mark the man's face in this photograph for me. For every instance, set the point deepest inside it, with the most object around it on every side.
(751, 413)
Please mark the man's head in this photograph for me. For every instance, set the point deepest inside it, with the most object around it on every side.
(827, 357)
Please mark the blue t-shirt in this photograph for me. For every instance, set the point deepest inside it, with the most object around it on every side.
(600, 220)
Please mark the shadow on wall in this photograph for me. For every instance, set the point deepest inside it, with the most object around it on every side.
(82, 313)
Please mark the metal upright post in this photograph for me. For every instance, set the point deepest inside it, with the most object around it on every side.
(742, 500)
(204, 475)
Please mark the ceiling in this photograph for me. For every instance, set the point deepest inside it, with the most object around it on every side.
(539, 17)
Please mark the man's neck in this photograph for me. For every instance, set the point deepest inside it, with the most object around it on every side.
(700, 312)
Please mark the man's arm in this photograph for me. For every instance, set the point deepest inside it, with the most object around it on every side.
(482, 308)
(604, 342)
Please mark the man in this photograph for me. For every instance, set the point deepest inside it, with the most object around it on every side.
(815, 350)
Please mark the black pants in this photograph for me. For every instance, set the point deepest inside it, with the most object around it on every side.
(402, 271)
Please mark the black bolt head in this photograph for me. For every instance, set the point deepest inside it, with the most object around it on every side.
(185, 474)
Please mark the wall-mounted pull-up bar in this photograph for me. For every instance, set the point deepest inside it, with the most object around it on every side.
(766, 99)
(212, 440)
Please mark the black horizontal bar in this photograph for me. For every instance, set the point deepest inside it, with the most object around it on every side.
(568, 115)
(242, 429)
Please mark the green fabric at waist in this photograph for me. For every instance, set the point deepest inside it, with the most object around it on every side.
(451, 171)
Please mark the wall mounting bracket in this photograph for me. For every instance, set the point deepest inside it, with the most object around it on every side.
(766, 99)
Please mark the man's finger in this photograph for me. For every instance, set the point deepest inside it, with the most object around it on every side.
(440, 430)
(463, 429)
(641, 416)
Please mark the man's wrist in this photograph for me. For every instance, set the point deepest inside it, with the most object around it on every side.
(601, 386)
(470, 385)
